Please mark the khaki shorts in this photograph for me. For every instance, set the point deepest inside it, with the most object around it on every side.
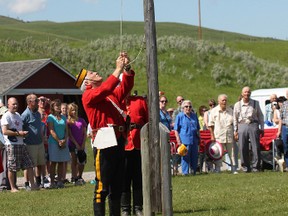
(37, 153)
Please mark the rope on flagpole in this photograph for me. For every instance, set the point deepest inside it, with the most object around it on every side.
(121, 36)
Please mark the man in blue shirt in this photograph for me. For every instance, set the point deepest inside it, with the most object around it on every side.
(284, 131)
(34, 140)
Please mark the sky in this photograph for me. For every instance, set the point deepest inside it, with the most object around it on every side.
(263, 18)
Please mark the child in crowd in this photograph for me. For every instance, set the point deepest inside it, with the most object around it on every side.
(76, 142)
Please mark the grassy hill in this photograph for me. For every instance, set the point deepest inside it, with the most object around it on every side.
(199, 70)
(92, 30)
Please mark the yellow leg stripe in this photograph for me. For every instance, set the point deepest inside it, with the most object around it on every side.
(98, 174)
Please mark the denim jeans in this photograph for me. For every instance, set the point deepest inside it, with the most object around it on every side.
(285, 143)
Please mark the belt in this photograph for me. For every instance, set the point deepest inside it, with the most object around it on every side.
(119, 128)
(135, 126)
(248, 122)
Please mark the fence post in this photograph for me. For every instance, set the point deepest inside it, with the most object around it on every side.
(167, 207)
(145, 159)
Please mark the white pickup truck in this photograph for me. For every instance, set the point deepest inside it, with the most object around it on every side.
(263, 95)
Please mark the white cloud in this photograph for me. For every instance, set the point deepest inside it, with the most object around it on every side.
(26, 6)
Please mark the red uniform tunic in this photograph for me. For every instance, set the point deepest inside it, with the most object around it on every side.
(99, 109)
(136, 107)
(109, 162)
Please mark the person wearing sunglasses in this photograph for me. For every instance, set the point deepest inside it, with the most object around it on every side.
(164, 115)
(179, 100)
(187, 132)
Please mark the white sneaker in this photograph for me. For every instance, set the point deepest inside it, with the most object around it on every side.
(46, 185)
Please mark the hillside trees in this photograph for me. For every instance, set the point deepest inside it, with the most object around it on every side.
(184, 56)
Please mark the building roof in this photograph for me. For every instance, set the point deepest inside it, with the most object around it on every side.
(15, 72)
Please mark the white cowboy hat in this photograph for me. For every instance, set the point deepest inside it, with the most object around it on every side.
(215, 150)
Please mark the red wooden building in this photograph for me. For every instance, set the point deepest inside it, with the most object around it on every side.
(41, 77)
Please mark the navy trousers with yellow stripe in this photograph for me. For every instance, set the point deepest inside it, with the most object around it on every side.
(109, 165)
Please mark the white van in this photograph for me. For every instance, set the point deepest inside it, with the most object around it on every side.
(263, 96)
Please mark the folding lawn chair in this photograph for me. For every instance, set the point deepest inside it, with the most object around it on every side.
(267, 146)
(205, 139)
(175, 158)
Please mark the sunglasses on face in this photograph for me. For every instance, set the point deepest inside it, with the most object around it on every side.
(35, 100)
(180, 101)
(164, 101)
(188, 107)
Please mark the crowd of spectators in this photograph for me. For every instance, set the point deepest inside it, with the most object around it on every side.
(42, 139)
(238, 128)
(50, 134)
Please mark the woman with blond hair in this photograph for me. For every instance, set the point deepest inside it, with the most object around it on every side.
(76, 143)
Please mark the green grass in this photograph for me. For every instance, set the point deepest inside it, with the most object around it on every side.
(251, 194)
(226, 194)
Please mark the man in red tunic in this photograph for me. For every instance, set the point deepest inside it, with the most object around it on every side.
(97, 101)
(136, 108)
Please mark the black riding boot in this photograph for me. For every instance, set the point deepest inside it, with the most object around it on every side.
(99, 209)
(126, 204)
(114, 207)
(138, 203)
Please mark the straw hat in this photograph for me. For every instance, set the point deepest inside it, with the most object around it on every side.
(182, 150)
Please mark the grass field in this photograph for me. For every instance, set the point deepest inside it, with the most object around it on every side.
(252, 194)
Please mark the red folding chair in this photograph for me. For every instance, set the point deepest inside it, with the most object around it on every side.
(205, 139)
(173, 143)
(175, 158)
(267, 142)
